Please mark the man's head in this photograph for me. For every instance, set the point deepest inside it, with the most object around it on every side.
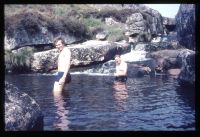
(59, 43)
(117, 59)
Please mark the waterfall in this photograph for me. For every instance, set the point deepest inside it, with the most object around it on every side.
(136, 54)
(107, 68)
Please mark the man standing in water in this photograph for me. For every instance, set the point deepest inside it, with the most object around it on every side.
(63, 75)
(121, 69)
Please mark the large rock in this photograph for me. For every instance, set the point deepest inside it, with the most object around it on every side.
(186, 59)
(44, 61)
(180, 63)
(87, 53)
(143, 24)
(21, 111)
(166, 59)
(185, 25)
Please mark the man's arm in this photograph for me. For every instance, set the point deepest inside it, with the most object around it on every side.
(66, 60)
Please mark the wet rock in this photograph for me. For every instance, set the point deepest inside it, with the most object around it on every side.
(156, 46)
(143, 71)
(180, 63)
(21, 111)
(166, 59)
(138, 70)
(186, 59)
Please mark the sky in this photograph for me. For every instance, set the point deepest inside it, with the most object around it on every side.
(166, 10)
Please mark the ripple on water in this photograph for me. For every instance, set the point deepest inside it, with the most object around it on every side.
(92, 103)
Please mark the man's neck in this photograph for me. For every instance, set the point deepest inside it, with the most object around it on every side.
(61, 49)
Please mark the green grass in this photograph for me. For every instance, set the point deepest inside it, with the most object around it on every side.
(20, 61)
(116, 33)
(57, 18)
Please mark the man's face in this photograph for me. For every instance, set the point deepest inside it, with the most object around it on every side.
(59, 45)
(118, 60)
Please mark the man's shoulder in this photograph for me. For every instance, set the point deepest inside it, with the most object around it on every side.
(124, 63)
(66, 49)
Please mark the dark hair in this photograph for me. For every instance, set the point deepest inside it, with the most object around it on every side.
(57, 39)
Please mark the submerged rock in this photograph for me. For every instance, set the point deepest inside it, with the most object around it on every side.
(21, 111)
(187, 61)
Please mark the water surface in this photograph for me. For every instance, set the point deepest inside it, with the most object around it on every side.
(94, 103)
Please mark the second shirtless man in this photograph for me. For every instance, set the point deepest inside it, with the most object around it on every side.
(121, 70)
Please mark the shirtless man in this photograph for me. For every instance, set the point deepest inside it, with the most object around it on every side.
(63, 75)
(121, 70)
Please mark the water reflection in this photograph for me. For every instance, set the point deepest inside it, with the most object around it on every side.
(120, 95)
(61, 122)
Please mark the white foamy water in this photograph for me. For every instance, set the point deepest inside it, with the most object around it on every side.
(39, 74)
(135, 55)
(92, 74)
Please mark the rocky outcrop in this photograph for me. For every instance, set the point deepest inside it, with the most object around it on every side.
(87, 53)
(22, 39)
(166, 59)
(180, 63)
(185, 25)
(186, 59)
(21, 111)
(144, 25)
(34, 28)
(141, 22)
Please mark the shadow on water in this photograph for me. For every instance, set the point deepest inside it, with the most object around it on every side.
(187, 94)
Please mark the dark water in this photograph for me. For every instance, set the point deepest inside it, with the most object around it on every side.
(93, 103)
